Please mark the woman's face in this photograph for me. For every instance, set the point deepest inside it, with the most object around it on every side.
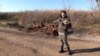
(63, 15)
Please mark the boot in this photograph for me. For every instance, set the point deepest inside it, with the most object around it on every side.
(69, 51)
(62, 50)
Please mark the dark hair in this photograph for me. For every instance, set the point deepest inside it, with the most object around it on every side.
(63, 11)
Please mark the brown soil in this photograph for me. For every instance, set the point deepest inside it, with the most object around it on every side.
(22, 44)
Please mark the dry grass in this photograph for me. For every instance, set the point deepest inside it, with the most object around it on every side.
(81, 20)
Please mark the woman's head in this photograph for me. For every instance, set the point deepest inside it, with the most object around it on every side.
(63, 14)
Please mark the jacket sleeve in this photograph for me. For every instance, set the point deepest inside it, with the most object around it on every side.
(56, 21)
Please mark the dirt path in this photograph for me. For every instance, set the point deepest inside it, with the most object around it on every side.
(15, 44)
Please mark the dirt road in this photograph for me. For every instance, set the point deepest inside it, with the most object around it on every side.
(21, 44)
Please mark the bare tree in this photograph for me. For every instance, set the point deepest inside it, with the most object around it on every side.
(66, 6)
(98, 3)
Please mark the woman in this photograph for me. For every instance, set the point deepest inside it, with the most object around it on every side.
(63, 25)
